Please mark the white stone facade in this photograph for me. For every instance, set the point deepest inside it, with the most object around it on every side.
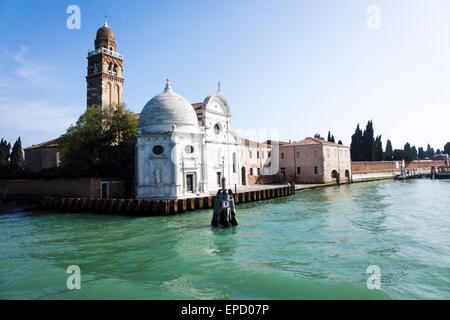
(180, 150)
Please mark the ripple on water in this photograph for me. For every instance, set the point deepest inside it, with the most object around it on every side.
(315, 245)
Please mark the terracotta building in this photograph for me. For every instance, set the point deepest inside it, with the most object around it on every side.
(261, 162)
(314, 160)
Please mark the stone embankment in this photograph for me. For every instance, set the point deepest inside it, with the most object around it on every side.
(155, 207)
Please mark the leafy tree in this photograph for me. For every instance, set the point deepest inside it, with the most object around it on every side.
(100, 144)
(447, 148)
(378, 149)
(401, 155)
(16, 159)
(438, 151)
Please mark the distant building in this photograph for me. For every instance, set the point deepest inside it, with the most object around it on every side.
(441, 156)
(314, 160)
(261, 162)
(42, 156)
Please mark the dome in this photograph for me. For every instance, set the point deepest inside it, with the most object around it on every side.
(105, 33)
(165, 110)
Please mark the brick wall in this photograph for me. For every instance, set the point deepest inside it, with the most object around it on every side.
(58, 188)
(390, 166)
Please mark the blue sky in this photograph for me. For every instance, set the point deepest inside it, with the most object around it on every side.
(299, 67)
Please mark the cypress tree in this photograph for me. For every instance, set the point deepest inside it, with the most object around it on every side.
(421, 154)
(356, 145)
(369, 148)
(378, 149)
(430, 152)
(332, 139)
(329, 136)
(414, 154)
(389, 147)
(16, 162)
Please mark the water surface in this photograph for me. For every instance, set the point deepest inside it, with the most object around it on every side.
(315, 245)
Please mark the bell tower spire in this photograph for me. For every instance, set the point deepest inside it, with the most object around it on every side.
(105, 71)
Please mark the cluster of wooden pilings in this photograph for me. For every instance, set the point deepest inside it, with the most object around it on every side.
(155, 207)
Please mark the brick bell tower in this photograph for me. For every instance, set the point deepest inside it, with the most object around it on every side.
(105, 72)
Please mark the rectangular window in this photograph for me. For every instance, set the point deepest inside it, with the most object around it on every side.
(282, 156)
(219, 178)
(283, 173)
(299, 170)
(250, 154)
(262, 154)
(251, 172)
(259, 171)
(315, 153)
(269, 154)
(316, 170)
(257, 154)
(298, 155)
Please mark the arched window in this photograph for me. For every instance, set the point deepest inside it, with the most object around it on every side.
(118, 95)
(109, 93)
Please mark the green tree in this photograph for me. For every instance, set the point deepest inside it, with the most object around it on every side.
(16, 162)
(421, 154)
(369, 148)
(100, 143)
(430, 152)
(318, 136)
(388, 146)
(340, 142)
(414, 154)
(378, 149)
(356, 146)
(447, 148)
(5, 152)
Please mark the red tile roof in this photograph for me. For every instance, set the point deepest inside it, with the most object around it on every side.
(47, 144)
(310, 140)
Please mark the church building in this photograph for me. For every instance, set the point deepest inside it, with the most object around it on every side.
(184, 150)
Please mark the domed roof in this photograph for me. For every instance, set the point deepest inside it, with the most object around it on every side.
(165, 110)
(105, 33)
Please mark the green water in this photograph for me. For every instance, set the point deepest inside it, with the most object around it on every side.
(315, 245)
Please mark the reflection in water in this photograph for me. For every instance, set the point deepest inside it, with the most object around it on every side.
(316, 244)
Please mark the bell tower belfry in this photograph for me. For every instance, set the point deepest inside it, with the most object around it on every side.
(105, 72)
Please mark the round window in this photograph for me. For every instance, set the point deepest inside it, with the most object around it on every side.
(189, 149)
(217, 128)
(158, 149)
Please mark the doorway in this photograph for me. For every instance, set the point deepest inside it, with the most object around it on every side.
(105, 190)
(190, 183)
